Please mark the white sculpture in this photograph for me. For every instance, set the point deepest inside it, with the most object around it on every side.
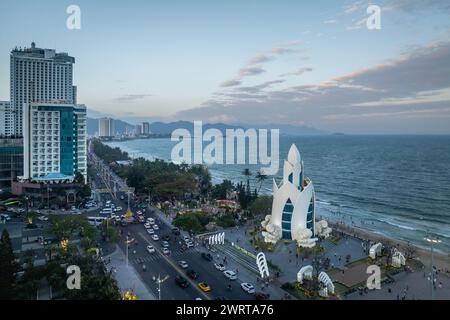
(322, 229)
(305, 273)
(326, 281)
(261, 262)
(293, 207)
(398, 259)
(375, 250)
(304, 238)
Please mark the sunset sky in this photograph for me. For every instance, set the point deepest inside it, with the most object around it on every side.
(297, 62)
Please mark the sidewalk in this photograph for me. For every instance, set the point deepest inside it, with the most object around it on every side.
(127, 277)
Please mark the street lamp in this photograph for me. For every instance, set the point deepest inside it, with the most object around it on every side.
(159, 280)
(433, 241)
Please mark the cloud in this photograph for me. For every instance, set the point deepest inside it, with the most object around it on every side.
(250, 71)
(411, 85)
(299, 72)
(330, 21)
(132, 97)
(259, 58)
(230, 83)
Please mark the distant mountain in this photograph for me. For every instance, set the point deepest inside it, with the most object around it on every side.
(167, 128)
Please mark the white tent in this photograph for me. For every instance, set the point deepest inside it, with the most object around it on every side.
(398, 259)
(305, 273)
(375, 250)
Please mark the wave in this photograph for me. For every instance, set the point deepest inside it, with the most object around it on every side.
(398, 225)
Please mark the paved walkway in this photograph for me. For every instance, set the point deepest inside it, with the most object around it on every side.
(127, 277)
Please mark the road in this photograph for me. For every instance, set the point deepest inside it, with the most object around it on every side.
(158, 264)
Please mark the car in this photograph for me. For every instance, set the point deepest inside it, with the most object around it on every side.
(165, 244)
(183, 264)
(150, 231)
(182, 282)
(192, 274)
(207, 256)
(176, 231)
(219, 266)
(230, 274)
(186, 238)
(119, 208)
(247, 287)
(262, 296)
(155, 237)
(43, 218)
(139, 212)
(151, 220)
(166, 237)
(189, 244)
(147, 225)
(204, 287)
(150, 249)
(155, 227)
(5, 217)
(166, 251)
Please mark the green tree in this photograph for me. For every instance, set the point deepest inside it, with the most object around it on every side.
(8, 268)
(261, 206)
(260, 177)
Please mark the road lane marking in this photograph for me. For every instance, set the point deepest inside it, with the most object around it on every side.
(175, 266)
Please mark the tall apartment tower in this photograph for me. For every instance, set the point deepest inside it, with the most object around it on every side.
(145, 128)
(55, 145)
(39, 75)
(6, 119)
(106, 127)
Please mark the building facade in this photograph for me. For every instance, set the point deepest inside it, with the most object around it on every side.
(39, 75)
(55, 142)
(11, 161)
(145, 128)
(138, 130)
(105, 127)
(293, 207)
(6, 119)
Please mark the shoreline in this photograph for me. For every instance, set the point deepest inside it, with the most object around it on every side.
(441, 260)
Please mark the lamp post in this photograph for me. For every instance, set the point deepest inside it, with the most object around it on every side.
(432, 240)
(159, 280)
(127, 250)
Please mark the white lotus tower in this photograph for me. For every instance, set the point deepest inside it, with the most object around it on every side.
(293, 210)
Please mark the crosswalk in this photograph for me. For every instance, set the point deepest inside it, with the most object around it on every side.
(238, 256)
(155, 256)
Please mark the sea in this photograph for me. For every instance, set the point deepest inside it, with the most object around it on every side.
(397, 186)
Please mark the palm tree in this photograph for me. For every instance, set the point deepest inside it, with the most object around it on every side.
(260, 177)
(246, 172)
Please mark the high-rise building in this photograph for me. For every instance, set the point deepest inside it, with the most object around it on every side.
(54, 142)
(106, 127)
(39, 75)
(138, 130)
(11, 161)
(145, 128)
(6, 119)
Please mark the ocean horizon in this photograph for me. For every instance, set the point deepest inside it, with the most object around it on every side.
(395, 185)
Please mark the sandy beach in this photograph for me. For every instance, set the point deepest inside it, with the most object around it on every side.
(441, 261)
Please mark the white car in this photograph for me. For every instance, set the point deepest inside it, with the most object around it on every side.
(147, 225)
(5, 216)
(165, 244)
(219, 266)
(150, 249)
(150, 231)
(151, 220)
(43, 218)
(230, 274)
(247, 287)
(183, 264)
(189, 244)
(166, 251)
(155, 227)
(155, 237)
(186, 238)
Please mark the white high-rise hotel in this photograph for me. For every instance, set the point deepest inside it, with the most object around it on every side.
(52, 124)
(39, 75)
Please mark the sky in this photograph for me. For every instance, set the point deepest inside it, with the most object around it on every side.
(311, 63)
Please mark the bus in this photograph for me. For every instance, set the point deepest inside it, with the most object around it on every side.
(96, 221)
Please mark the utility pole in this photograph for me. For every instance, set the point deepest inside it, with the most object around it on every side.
(432, 240)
